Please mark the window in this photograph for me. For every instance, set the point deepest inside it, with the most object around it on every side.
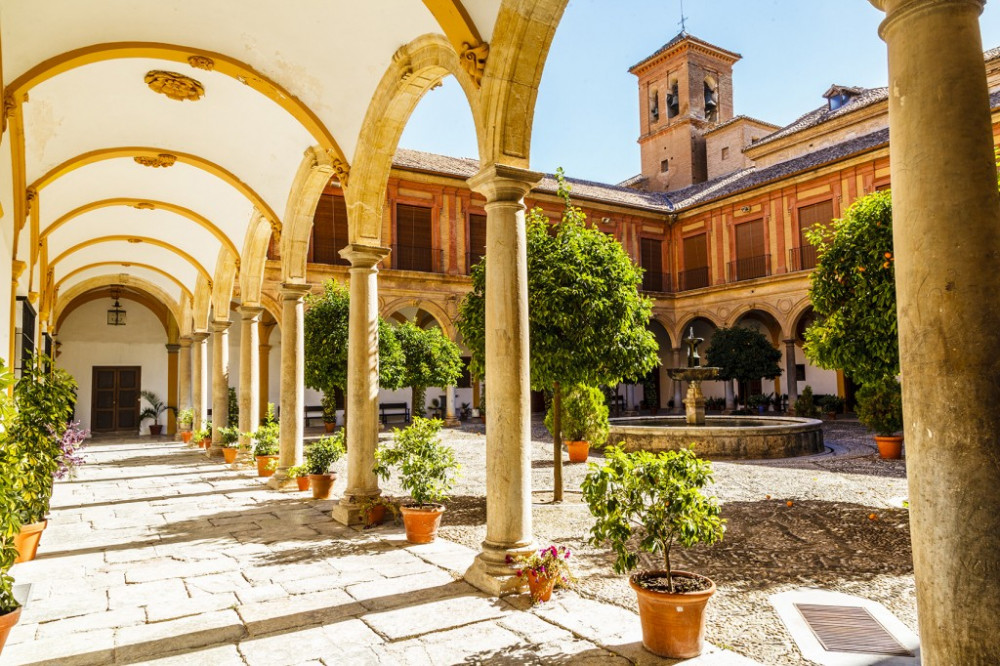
(654, 105)
(695, 273)
(665, 165)
(412, 249)
(329, 234)
(477, 239)
(820, 213)
(751, 255)
(725, 153)
(651, 260)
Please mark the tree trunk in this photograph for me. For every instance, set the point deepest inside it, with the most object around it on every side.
(420, 401)
(557, 481)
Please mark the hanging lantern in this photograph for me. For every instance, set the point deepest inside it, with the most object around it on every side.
(116, 315)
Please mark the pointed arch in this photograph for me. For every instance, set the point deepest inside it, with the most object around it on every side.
(226, 268)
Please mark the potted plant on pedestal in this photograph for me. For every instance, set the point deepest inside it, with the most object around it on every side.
(427, 470)
(230, 439)
(329, 412)
(185, 418)
(880, 408)
(320, 457)
(650, 502)
(153, 411)
(265, 443)
(301, 475)
(584, 420)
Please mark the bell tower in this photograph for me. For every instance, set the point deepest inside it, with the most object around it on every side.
(685, 89)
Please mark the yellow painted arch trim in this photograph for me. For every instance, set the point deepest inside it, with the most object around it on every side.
(126, 264)
(144, 151)
(231, 67)
(455, 21)
(200, 220)
(144, 239)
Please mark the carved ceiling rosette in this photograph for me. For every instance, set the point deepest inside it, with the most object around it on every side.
(175, 86)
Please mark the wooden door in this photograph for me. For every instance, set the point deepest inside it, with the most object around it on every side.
(115, 399)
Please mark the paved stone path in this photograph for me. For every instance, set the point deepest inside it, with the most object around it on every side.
(155, 554)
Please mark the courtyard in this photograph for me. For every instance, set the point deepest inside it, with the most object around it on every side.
(158, 554)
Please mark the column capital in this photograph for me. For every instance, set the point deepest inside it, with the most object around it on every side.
(364, 256)
(184, 341)
(498, 182)
(221, 325)
(790, 341)
(250, 312)
(896, 10)
(199, 336)
(294, 291)
(173, 349)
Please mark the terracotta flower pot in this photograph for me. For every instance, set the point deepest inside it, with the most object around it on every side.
(186, 436)
(322, 484)
(578, 451)
(374, 515)
(206, 442)
(673, 625)
(263, 465)
(229, 453)
(26, 541)
(155, 430)
(890, 447)
(422, 522)
(302, 482)
(328, 426)
(540, 586)
(7, 622)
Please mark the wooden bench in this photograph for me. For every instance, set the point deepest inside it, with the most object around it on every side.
(388, 409)
(310, 412)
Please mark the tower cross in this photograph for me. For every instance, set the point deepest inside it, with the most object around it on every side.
(683, 18)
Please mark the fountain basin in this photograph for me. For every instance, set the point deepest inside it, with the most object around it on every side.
(745, 437)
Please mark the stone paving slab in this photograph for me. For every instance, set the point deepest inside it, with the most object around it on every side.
(169, 558)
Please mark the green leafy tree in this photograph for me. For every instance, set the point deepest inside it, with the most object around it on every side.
(325, 339)
(743, 354)
(853, 291)
(431, 360)
(11, 464)
(427, 467)
(587, 319)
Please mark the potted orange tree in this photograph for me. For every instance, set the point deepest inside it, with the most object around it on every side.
(584, 420)
(427, 470)
(320, 457)
(654, 501)
(880, 408)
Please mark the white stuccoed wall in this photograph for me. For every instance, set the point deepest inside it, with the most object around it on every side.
(88, 341)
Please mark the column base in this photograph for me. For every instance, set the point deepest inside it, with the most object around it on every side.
(347, 513)
(451, 422)
(491, 573)
(280, 480)
(214, 451)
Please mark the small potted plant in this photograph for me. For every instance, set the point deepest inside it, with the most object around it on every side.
(427, 470)
(230, 439)
(584, 421)
(646, 501)
(543, 570)
(153, 411)
(301, 475)
(880, 408)
(805, 406)
(374, 508)
(204, 436)
(185, 418)
(329, 412)
(320, 457)
(833, 405)
(265, 443)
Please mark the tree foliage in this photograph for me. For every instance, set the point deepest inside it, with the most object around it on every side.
(743, 354)
(431, 360)
(584, 415)
(587, 320)
(880, 406)
(853, 291)
(10, 517)
(326, 342)
(427, 467)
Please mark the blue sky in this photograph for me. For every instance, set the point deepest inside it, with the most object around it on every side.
(586, 119)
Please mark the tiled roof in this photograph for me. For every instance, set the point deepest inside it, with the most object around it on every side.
(582, 189)
(680, 37)
(866, 97)
(736, 119)
(632, 181)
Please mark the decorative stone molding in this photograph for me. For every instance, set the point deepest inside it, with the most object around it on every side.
(201, 62)
(175, 86)
(156, 161)
(473, 60)
(342, 170)
(8, 108)
(144, 205)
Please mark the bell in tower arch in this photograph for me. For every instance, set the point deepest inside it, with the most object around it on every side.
(711, 102)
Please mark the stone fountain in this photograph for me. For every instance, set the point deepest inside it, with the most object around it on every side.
(694, 375)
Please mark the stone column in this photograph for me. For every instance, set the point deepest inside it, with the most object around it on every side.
(172, 354)
(220, 383)
(292, 382)
(678, 385)
(362, 381)
(184, 372)
(450, 420)
(730, 395)
(790, 373)
(508, 398)
(249, 391)
(199, 379)
(946, 231)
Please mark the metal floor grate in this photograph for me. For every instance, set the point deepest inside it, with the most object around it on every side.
(850, 629)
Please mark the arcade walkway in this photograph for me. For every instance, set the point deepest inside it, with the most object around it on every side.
(156, 555)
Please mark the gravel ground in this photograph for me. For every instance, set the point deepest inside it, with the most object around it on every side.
(826, 539)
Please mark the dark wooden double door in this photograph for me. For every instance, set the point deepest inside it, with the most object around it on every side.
(115, 403)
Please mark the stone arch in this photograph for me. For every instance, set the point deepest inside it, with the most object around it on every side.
(125, 264)
(95, 287)
(511, 78)
(312, 177)
(416, 68)
(202, 271)
(680, 332)
(253, 259)
(202, 304)
(273, 307)
(434, 310)
(798, 312)
(765, 315)
(226, 268)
